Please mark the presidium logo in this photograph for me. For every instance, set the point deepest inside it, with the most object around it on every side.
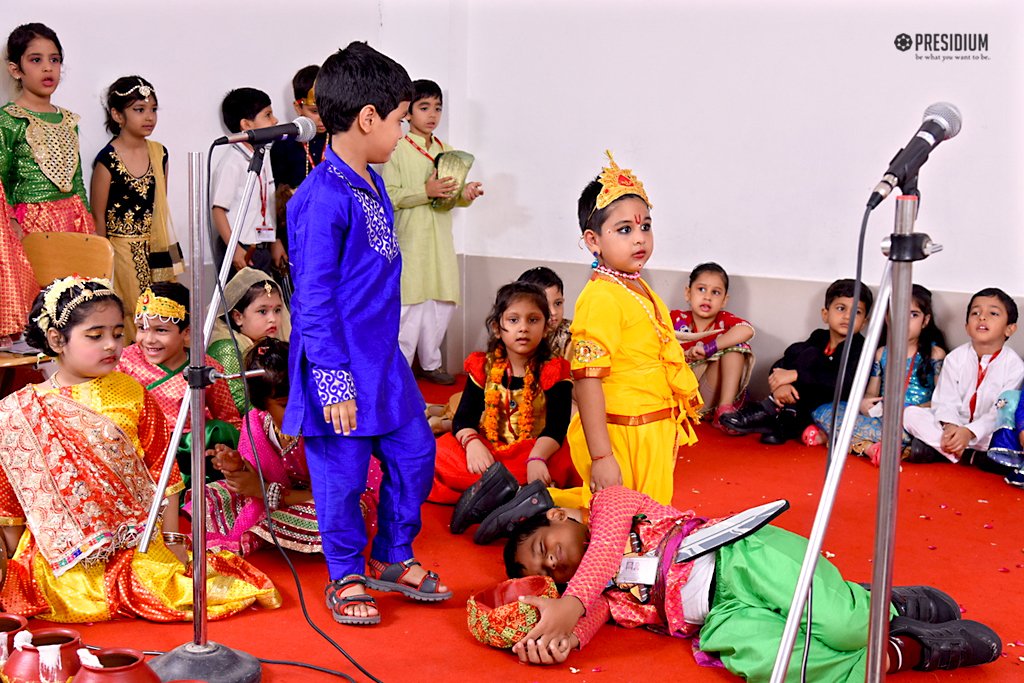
(945, 46)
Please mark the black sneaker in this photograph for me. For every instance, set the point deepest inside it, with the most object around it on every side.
(783, 428)
(950, 645)
(494, 487)
(752, 418)
(531, 499)
(924, 603)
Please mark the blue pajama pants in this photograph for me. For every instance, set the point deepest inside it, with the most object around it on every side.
(338, 467)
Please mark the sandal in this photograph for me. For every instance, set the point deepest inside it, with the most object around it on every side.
(388, 578)
(338, 603)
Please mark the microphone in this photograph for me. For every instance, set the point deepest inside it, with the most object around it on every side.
(302, 129)
(941, 121)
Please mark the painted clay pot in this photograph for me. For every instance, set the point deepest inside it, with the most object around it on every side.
(119, 665)
(9, 625)
(23, 666)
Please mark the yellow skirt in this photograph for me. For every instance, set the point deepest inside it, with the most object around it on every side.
(646, 455)
(152, 585)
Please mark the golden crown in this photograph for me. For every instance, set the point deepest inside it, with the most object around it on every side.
(618, 182)
(150, 305)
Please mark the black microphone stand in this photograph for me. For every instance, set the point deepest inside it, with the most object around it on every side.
(202, 659)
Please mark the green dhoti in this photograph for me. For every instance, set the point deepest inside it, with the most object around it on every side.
(755, 579)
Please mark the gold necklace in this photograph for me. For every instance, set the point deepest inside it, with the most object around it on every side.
(658, 327)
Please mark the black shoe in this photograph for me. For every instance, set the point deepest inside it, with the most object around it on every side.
(923, 603)
(922, 452)
(494, 487)
(994, 461)
(950, 645)
(531, 499)
(752, 418)
(783, 428)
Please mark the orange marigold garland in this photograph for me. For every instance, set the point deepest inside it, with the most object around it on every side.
(492, 397)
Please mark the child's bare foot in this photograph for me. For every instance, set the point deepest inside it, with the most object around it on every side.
(349, 603)
(408, 578)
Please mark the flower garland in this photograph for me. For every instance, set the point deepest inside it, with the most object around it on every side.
(492, 397)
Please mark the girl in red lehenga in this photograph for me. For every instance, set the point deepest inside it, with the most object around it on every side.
(17, 282)
(516, 406)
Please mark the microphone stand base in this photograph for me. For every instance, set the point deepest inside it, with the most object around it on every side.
(213, 662)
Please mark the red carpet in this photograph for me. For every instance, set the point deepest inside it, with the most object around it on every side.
(959, 529)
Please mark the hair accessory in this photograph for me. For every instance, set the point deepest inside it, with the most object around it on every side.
(268, 288)
(150, 305)
(618, 182)
(242, 282)
(262, 350)
(49, 317)
(144, 90)
(310, 99)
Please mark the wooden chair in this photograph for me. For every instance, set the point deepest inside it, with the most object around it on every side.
(59, 254)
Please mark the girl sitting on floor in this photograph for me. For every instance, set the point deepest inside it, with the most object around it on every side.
(715, 342)
(926, 348)
(255, 310)
(236, 518)
(158, 360)
(516, 405)
(77, 468)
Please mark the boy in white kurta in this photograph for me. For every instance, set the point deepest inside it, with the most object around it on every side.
(962, 412)
(430, 273)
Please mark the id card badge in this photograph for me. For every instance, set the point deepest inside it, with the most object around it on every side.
(638, 570)
(266, 233)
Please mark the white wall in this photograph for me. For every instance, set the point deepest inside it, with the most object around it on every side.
(759, 128)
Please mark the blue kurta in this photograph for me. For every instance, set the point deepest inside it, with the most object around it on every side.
(346, 268)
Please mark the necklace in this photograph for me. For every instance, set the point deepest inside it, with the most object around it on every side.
(54, 383)
(617, 273)
(659, 328)
(492, 397)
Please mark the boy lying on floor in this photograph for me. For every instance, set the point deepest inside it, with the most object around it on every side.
(736, 598)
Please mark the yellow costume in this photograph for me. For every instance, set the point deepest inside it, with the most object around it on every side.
(77, 470)
(651, 396)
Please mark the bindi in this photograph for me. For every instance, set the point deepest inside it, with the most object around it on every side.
(638, 218)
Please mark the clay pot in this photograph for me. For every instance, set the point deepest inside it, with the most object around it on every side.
(119, 665)
(23, 666)
(9, 625)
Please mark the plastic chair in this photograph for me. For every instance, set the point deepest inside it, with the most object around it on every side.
(59, 254)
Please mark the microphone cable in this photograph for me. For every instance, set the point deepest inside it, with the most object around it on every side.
(844, 360)
(259, 472)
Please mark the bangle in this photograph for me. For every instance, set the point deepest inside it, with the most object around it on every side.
(594, 458)
(470, 438)
(175, 538)
(710, 348)
(275, 492)
(536, 458)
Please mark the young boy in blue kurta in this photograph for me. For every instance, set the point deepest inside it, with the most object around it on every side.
(344, 354)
